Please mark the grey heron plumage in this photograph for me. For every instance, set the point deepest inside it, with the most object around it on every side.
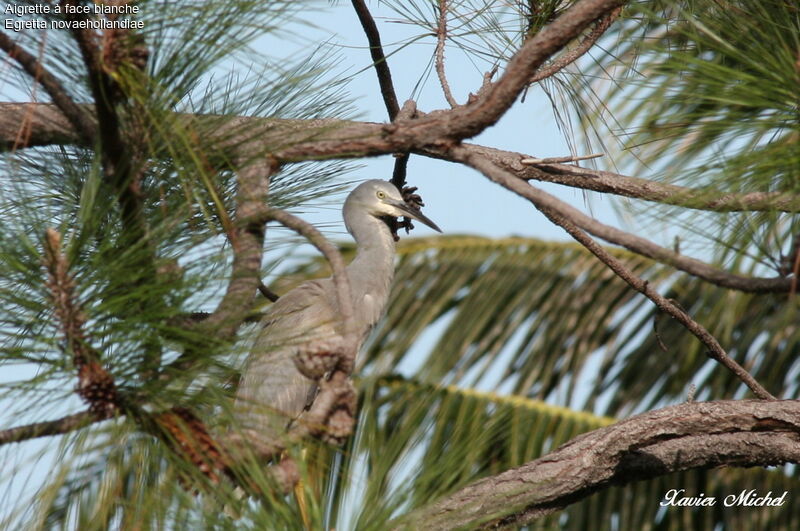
(273, 392)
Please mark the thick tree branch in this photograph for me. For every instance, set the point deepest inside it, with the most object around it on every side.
(247, 241)
(545, 201)
(704, 435)
(626, 186)
(299, 140)
(557, 215)
(296, 140)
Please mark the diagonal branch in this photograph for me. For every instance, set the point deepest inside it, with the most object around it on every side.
(467, 121)
(83, 126)
(340, 279)
(611, 234)
(696, 435)
(549, 206)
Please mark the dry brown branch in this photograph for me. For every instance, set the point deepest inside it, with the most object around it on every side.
(702, 435)
(313, 139)
(441, 36)
(553, 209)
(630, 241)
(307, 140)
(318, 139)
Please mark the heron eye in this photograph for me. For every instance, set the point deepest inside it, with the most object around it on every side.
(380, 194)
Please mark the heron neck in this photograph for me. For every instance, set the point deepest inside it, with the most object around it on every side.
(372, 269)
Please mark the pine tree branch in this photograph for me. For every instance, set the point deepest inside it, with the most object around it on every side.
(630, 241)
(555, 212)
(95, 385)
(492, 103)
(311, 140)
(570, 56)
(247, 241)
(75, 113)
(322, 139)
(441, 36)
(48, 428)
(697, 435)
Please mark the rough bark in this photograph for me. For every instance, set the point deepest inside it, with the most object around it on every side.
(740, 433)
(299, 140)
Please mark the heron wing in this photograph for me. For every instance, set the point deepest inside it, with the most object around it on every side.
(272, 391)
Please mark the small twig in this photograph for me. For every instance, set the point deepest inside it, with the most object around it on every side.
(657, 320)
(550, 208)
(584, 46)
(558, 160)
(378, 58)
(441, 35)
(486, 86)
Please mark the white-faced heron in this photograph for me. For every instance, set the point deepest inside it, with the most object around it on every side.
(273, 392)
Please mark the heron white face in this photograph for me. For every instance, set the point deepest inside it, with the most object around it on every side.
(381, 198)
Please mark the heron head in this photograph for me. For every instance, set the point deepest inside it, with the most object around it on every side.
(382, 198)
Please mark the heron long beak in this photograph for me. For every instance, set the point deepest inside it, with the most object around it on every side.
(415, 214)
